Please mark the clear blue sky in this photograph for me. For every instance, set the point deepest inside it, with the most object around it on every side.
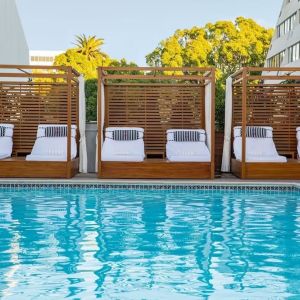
(131, 28)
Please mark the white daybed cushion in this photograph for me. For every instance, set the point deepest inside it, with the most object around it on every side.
(3, 155)
(52, 148)
(257, 149)
(298, 139)
(113, 150)
(187, 151)
(6, 142)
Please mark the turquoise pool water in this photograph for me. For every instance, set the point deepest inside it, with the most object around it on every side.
(109, 244)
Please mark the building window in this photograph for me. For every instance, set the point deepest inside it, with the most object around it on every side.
(276, 60)
(294, 53)
(286, 25)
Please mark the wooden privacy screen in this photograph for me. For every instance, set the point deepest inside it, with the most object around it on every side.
(33, 95)
(155, 99)
(269, 97)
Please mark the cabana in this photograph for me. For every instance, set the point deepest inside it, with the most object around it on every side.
(155, 100)
(36, 95)
(266, 100)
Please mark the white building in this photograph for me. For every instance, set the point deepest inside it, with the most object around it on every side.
(285, 46)
(43, 58)
(13, 44)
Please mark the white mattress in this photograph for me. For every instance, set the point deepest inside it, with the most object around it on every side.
(133, 151)
(6, 146)
(52, 149)
(46, 158)
(298, 138)
(187, 151)
(257, 150)
(3, 155)
(277, 158)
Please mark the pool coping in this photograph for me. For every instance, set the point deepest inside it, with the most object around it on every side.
(90, 183)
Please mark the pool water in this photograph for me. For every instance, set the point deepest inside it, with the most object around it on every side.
(117, 244)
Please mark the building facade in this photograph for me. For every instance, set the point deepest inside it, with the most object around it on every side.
(14, 48)
(43, 58)
(285, 46)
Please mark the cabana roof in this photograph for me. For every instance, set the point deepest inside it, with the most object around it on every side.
(33, 95)
(268, 97)
(155, 99)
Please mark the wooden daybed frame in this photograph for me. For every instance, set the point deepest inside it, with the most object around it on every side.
(33, 95)
(268, 97)
(155, 99)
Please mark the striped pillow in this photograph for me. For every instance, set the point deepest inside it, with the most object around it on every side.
(187, 136)
(2, 131)
(125, 135)
(56, 131)
(256, 132)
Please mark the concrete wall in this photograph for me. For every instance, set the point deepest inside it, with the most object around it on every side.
(91, 133)
(14, 48)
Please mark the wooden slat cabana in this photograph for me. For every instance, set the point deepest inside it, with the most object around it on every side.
(33, 95)
(155, 99)
(268, 97)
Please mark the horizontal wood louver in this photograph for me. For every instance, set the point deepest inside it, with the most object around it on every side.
(156, 100)
(155, 109)
(29, 97)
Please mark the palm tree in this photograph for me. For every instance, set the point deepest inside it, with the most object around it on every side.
(89, 46)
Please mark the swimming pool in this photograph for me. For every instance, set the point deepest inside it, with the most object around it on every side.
(149, 244)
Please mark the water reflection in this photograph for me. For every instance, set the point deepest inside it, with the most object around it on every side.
(135, 245)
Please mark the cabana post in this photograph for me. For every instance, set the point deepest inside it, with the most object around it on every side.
(156, 99)
(38, 95)
(269, 98)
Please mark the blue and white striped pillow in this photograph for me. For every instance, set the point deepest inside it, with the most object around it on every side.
(125, 135)
(256, 132)
(187, 136)
(6, 130)
(2, 131)
(56, 131)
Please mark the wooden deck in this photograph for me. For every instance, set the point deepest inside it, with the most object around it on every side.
(18, 167)
(262, 170)
(155, 169)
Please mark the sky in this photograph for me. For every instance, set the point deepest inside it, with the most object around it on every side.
(130, 28)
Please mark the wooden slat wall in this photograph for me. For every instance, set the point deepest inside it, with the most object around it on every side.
(27, 104)
(276, 104)
(155, 108)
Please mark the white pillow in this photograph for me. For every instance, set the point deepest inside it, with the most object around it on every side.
(9, 129)
(237, 131)
(109, 131)
(41, 129)
(170, 133)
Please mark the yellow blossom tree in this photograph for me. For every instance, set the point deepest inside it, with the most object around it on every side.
(226, 45)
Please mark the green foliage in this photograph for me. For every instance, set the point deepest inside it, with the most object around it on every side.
(81, 62)
(86, 57)
(89, 46)
(226, 45)
(91, 99)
